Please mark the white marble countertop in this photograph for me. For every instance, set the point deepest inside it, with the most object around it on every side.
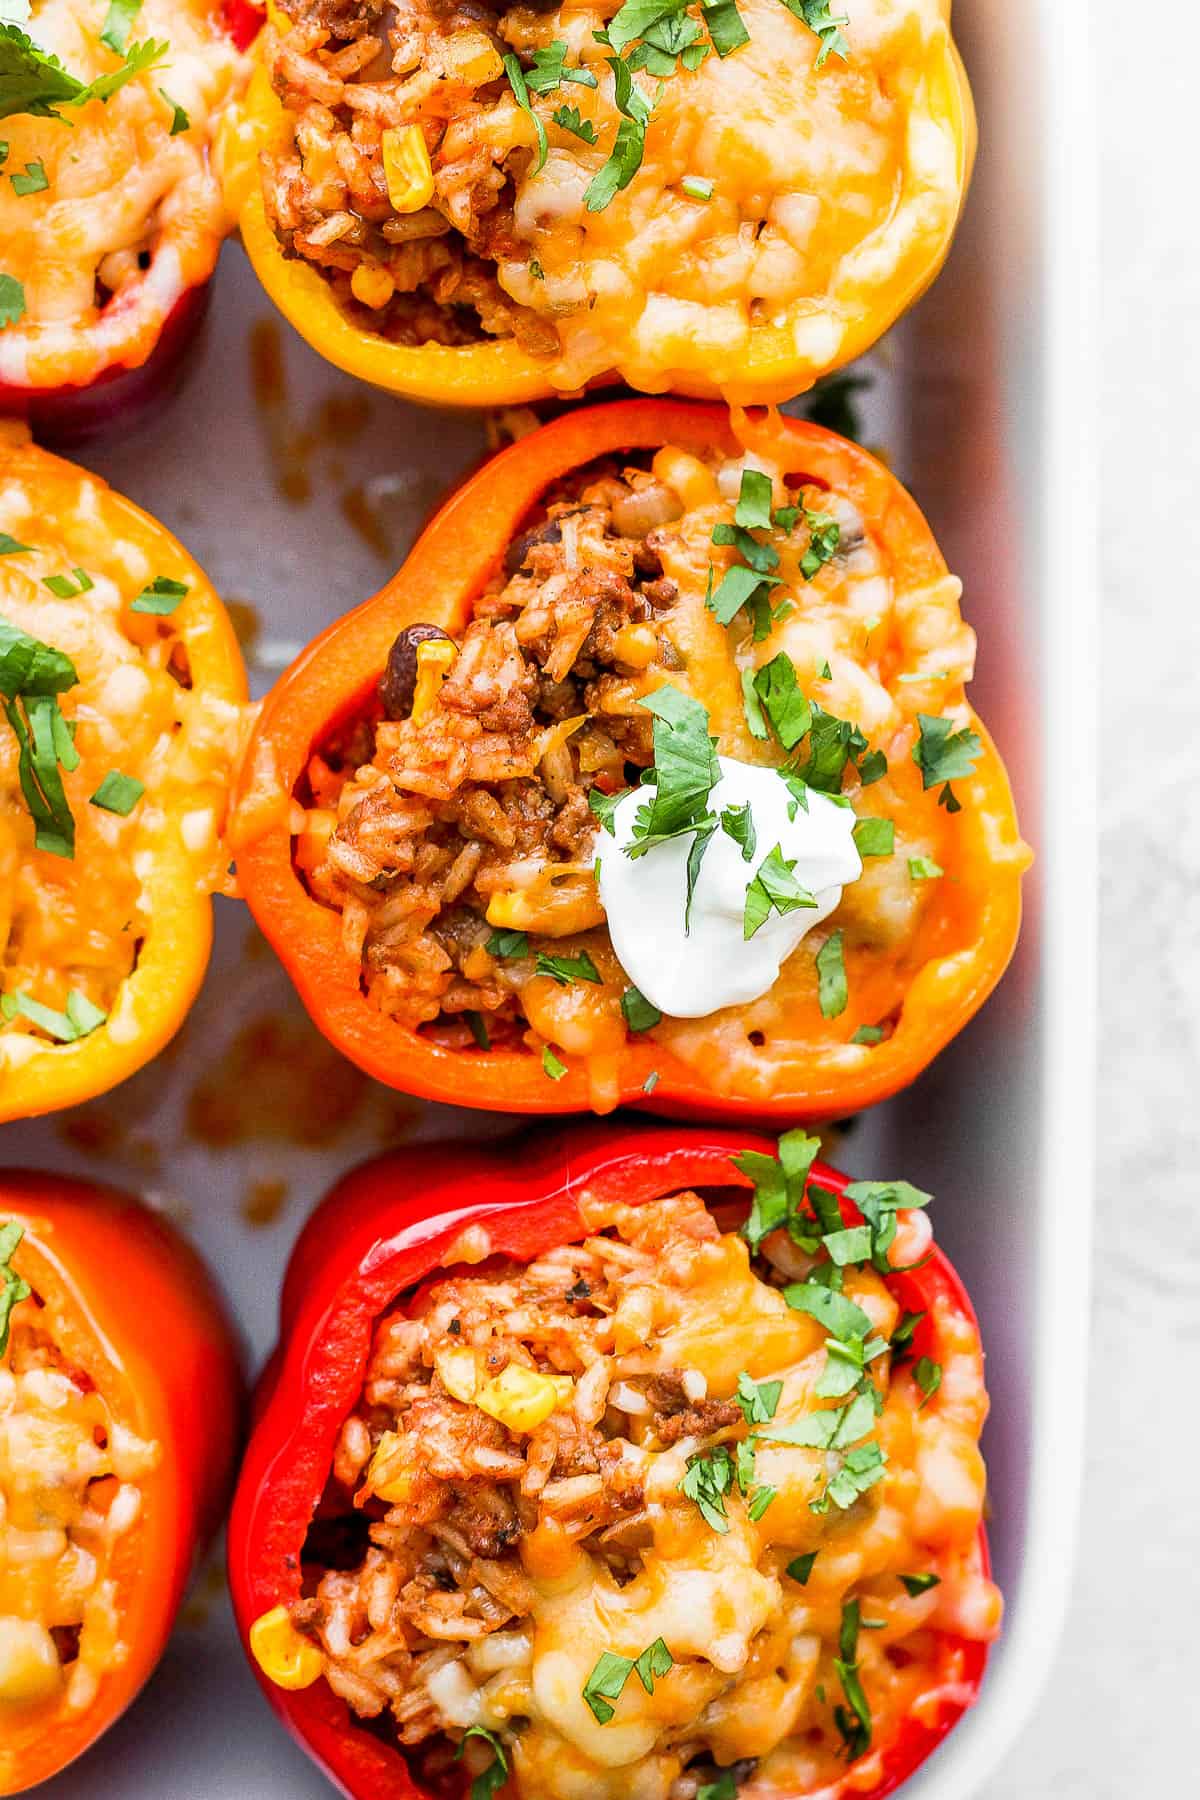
(1115, 1722)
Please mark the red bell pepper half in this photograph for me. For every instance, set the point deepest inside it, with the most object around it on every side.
(385, 1228)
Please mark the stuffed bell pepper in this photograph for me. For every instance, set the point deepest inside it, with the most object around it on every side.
(625, 1463)
(123, 700)
(111, 210)
(120, 1406)
(649, 779)
(483, 204)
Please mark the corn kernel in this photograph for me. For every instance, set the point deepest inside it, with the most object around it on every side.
(459, 1372)
(371, 285)
(283, 1655)
(636, 646)
(691, 479)
(390, 1484)
(522, 1398)
(29, 1665)
(472, 59)
(407, 168)
(434, 659)
(554, 911)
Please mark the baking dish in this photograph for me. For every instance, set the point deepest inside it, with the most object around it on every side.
(985, 406)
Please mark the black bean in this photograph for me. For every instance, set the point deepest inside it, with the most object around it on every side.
(399, 682)
(515, 557)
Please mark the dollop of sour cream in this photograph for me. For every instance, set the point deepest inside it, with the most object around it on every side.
(691, 974)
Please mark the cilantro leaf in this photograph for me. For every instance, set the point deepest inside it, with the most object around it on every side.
(879, 1202)
(606, 1682)
(801, 1567)
(569, 118)
(636, 17)
(549, 70)
(640, 1014)
(756, 723)
(854, 1719)
(44, 741)
(905, 1331)
(34, 81)
(706, 1481)
(12, 301)
(943, 754)
(817, 16)
(779, 1183)
(625, 157)
(916, 1585)
(118, 23)
(832, 990)
(551, 1064)
(28, 666)
(179, 119)
(79, 1020)
(783, 701)
(868, 1034)
(118, 793)
(928, 1376)
(875, 837)
(11, 546)
(604, 806)
(685, 767)
(757, 1399)
(516, 81)
(737, 822)
(726, 27)
(33, 181)
(510, 946)
(494, 1776)
(13, 1289)
(161, 597)
(774, 888)
(478, 1027)
(566, 969)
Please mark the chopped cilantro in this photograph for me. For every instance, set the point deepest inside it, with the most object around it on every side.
(63, 588)
(723, 1788)
(879, 1202)
(774, 888)
(706, 1481)
(118, 23)
(737, 822)
(161, 597)
(565, 969)
(817, 16)
(27, 666)
(928, 1376)
(12, 1288)
(516, 81)
(510, 946)
(640, 1014)
(12, 301)
(32, 675)
(832, 989)
(78, 1021)
(651, 1082)
(756, 723)
(33, 181)
(760, 1499)
(875, 837)
(854, 1719)
(697, 187)
(801, 1567)
(549, 70)
(923, 868)
(551, 1064)
(757, 1399)
(944, 755)
(569, 118)
(779, 1183)
(34, 81)
(604, 806)
(479, 1029)
(905, 1331)
(625, 157)
(494, 1776)
(868, 1034)
(606, 1682)
(783, 701)
(726, 27)
(11, 546)
(916, 1585)
(179, 119)
(118, 793)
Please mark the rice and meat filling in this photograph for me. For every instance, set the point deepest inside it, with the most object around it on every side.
(456, 834)
(570, 1461)
(69, 1493)
(413, 276)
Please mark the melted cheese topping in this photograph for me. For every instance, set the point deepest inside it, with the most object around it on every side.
(131, 217)
(68, 1491)
(76, 925)
(828, 185)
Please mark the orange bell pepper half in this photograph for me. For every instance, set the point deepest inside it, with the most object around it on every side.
(102, 1297)
(167, 848)
(970, 923)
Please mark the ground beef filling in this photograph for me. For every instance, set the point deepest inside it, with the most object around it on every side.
(350, 71)
(68, 1492)
(420, 823)
(505, 1503)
